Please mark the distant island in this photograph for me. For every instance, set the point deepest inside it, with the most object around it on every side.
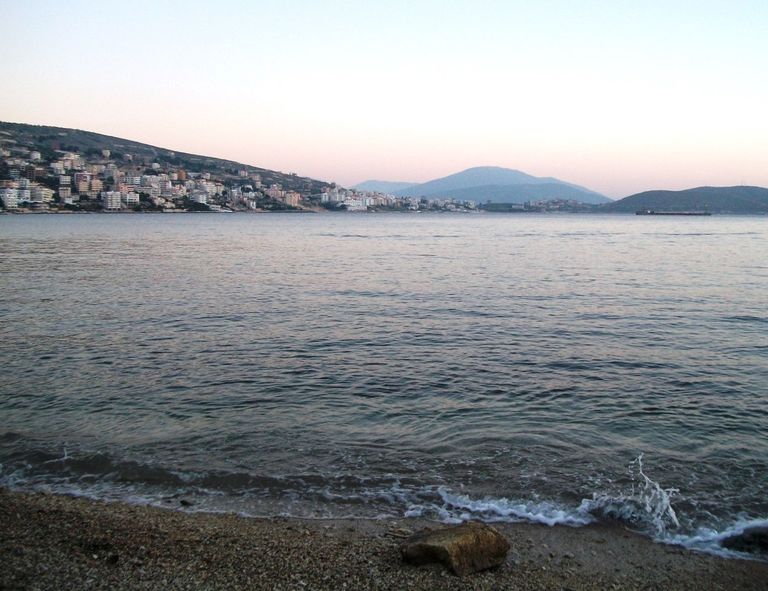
(722, 200)
(54, 169)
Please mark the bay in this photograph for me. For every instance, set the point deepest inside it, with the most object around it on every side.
(555, 368)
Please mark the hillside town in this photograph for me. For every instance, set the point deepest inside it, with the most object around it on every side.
(72, 179)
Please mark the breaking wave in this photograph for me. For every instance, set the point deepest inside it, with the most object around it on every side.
(645, 506)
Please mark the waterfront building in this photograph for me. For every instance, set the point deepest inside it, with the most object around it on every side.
(10, 197)
(65, 194)
(292, 198)
(199, 197)
(40, 194)
(111, 200)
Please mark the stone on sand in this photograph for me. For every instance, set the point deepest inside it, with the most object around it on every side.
(464, 549)
(752, 539)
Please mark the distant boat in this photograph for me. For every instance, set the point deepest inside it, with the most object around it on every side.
(654, 212)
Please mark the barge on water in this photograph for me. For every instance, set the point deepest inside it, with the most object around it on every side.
(654, 212)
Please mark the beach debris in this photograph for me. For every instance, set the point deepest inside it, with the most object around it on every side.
(464, 549)
(752, 539)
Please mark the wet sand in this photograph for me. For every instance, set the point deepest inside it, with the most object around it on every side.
(57, 542)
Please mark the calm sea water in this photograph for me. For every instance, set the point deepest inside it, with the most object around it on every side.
(563, 369)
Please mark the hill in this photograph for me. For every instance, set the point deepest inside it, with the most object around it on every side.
(49, 141)
(517, 193)
(496, 184)
(382, 186)
(740, 200)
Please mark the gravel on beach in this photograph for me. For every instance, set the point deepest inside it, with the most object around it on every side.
(58, 542)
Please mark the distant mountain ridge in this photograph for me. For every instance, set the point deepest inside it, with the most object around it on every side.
(741, 199)
(518, 193)
(500, 185)
(377, 186)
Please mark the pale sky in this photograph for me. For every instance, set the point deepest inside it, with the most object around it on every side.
(619, 96)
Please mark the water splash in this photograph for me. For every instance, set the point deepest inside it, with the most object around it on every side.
(643, 503)
(647, 505)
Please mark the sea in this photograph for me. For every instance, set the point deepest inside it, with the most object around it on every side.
(561, 369)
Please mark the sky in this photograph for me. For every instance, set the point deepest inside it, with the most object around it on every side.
(618, 96)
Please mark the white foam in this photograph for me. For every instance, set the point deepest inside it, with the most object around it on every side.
(710, 540)
(646, 505)
(501, 509)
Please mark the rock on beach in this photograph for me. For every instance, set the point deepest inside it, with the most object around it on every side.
(752, 539)
(464, 549)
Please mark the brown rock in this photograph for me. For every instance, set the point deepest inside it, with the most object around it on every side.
(464, 549)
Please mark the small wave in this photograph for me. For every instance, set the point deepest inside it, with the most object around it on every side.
(747, 318)
(645, 506)
(456, 508)
(711, 541)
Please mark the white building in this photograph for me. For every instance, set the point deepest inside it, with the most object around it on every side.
(111, 200)
(199, 197)
(65, 195)
(10, 198)
(41, 194)
(131, 199)
(355, 205)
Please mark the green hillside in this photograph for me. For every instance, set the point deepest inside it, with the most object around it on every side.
(738, 200)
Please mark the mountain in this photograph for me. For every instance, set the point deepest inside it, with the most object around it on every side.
(484, 183)
(713, 199)
(48, 140)
(382, 186)
(519, 193)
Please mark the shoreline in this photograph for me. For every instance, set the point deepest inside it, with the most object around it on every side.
(51, 542)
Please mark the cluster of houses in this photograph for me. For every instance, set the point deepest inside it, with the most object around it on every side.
(101, 181)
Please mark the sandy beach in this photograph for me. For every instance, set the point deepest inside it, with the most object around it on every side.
(57, 542)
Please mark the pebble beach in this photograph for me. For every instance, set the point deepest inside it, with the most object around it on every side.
(59, 542)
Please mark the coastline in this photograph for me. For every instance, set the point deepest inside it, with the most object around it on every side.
(53, 542)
